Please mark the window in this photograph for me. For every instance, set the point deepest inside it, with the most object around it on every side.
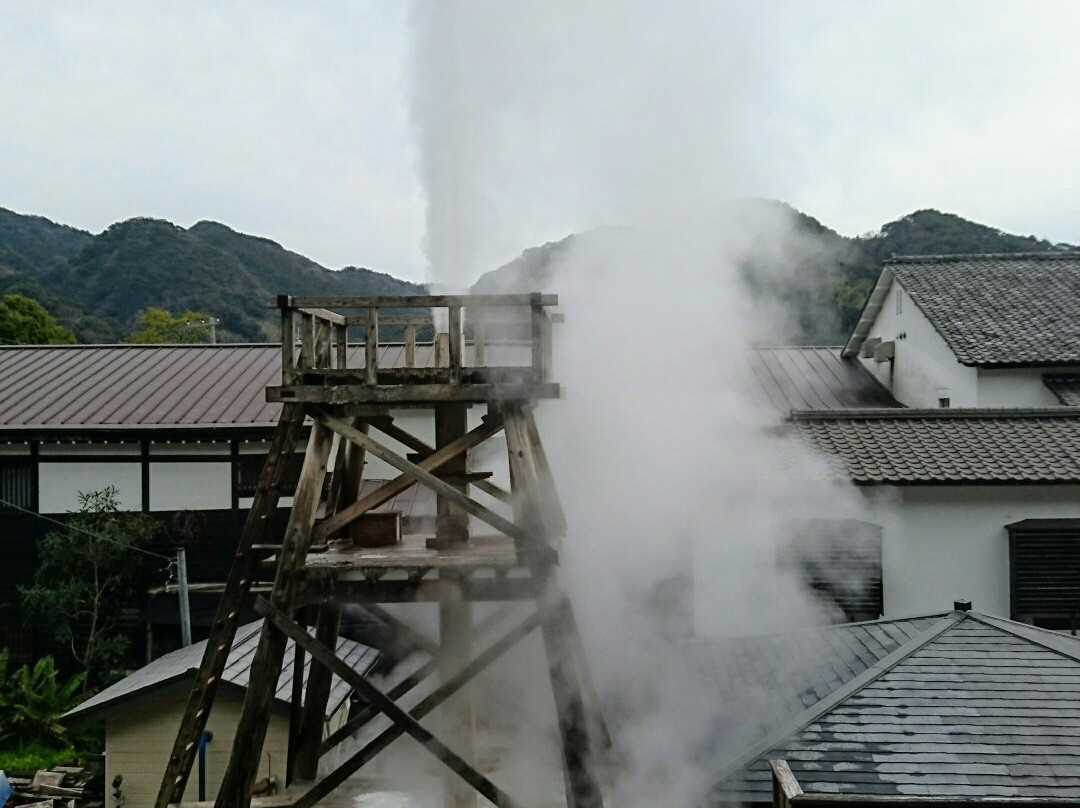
(1044, 572)
(17, 482)
(840, 561)
(249, 466)
(944, 403)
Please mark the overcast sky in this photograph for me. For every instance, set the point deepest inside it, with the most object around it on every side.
(327, 126)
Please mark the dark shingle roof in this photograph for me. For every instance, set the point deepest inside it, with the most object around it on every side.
(177, 670)
(972, 707)
(948, 446)
(1066, 387)
(811, 378)
(993, 310)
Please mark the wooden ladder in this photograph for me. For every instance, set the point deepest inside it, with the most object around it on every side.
(249, 553)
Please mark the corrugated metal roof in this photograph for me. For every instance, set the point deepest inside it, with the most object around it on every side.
(993, 310)
(180, 667)
(812, 378)
(87, 387)
(948, 446)
(981, 707)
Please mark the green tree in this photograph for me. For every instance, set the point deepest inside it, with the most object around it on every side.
(154, 325)
(83, 580)
(34, 700)
(24, 321)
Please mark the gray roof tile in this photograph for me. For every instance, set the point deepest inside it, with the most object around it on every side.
(1065, 386)
(957, 446)
(984, 708)
(1015, 309)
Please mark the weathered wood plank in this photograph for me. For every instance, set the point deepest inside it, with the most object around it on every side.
(235, 791)
(785, 783)
(438, 486)
(226, 619)
(371, 347)
(411, 393)
(322, 314)
(387, 706)
(491, 426)
(313, 716)
(482, 661)
(420, 301)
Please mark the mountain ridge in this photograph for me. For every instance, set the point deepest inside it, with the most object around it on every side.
(97, 284)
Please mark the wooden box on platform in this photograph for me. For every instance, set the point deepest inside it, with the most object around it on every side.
(376, 530)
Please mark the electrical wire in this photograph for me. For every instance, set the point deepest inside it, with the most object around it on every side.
(150, 553)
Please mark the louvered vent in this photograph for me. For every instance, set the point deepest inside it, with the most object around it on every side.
(16, 482)
(840, 560)
(1044, 568)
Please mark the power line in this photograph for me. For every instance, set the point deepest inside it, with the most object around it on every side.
(171, 560)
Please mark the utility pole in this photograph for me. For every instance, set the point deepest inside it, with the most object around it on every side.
(185, 601)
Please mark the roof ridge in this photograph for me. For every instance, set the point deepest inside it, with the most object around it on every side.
(845, 691)
(828, 627)
(951, 414)
(997, 622)
(956, 257)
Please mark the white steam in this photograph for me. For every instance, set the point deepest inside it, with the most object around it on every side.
(540, 119)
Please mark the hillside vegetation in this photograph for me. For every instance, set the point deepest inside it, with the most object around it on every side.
(97, 285)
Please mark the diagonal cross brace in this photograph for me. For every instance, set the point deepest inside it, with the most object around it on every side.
(531, 543)
(391, 489)
(403, 720)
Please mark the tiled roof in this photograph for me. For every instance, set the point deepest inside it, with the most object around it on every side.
(973, 707)
(811, 378)
(1066, 387)
(793, 670)
(178, 669)
(993, 310)
(115, 387)
(947, 446)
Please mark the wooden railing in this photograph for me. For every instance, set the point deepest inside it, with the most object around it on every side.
(323, 327)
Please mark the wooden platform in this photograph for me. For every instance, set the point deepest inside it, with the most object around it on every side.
(412, 554)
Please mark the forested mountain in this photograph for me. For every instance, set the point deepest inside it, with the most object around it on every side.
(96, 285)
(817, 276)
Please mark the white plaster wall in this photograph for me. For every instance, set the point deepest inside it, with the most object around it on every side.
(925, 368)
(61, 449)
(1020, 387)
(59, 484)
(190, 486)
(193, 447)
(941, 543)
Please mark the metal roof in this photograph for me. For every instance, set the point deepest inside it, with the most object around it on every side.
(947, 446)
(811, 378)
(177, 670)
(972, 707)
(139, 387)
(997, 310)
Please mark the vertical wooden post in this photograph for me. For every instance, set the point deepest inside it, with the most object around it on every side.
(455, 612)
(539, 353)
(342, 346)
(371, 346)
(410, 345)
(288, 343)
(235, 789)
(479, 359)
(307, 341)
(455, 344)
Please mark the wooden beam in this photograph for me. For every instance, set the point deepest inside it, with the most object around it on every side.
(227, 617)
(235, 791)
(371, 347)
(411, 393)
(385, 705)
(313, 716)
(438, 486)
(491, 426)
(322, 314)
(785, 785)
(444, 691)
(420, 301)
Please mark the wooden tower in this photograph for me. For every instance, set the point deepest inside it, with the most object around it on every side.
(321, 561)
